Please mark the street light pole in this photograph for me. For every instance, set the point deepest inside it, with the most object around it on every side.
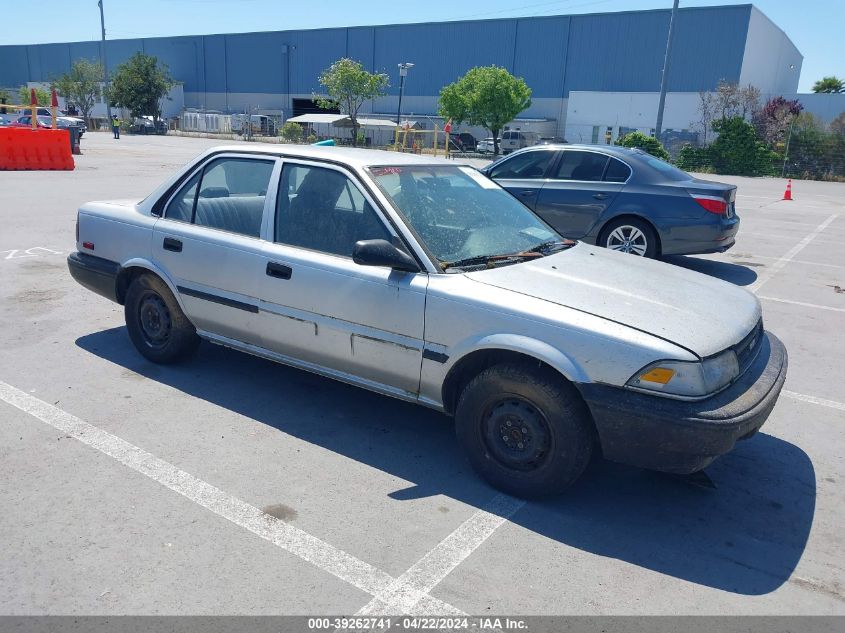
(663, 78)
(103, 59)
(403, 72)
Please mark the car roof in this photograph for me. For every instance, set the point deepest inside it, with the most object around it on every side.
(352, 156)
(613, 150)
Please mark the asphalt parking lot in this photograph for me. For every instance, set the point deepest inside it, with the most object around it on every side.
(232, 485)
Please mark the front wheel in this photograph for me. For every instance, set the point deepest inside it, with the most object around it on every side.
(156, 324)
(524, 429)
(629, 235)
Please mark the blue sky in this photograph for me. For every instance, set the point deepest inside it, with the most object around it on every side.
(815, 26)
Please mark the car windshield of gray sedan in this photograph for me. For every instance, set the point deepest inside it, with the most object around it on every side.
(465, 219)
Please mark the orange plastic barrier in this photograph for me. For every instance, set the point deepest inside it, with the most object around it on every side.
(24, 148)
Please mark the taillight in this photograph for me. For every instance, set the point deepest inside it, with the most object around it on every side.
(711, 203)
(77, 229)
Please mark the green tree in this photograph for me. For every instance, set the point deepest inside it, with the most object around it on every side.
(738, 151)
(644, 142)
(348, 85)
(139, 85)
(81, 86)
(291, 132)
(42, 95)
(829, 84)
(487, 96)
(815, 152)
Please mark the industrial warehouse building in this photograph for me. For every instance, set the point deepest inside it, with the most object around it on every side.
(591, 75)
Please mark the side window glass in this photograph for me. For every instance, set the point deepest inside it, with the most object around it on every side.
(181, 207)
(617, 171)
(232, 193)
(576, 165)
(322, 210)
(531, 164)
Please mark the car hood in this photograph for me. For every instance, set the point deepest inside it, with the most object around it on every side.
(695, 311)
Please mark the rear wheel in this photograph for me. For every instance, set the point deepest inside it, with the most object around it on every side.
(629, 235)
(524, 429)
(155, 322)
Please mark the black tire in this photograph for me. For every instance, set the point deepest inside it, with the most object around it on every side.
(550, 448)
(630, 235)
(155, 322)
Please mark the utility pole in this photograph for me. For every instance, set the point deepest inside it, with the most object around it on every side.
(403, 72)
(103, 59)
(663, 77)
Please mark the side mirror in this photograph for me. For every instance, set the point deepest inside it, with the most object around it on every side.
(383, 253)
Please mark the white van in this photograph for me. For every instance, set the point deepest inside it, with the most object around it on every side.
(516, 139)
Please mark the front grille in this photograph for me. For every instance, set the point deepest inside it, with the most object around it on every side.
(747, 349)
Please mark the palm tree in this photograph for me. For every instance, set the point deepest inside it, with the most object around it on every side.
(829, 84)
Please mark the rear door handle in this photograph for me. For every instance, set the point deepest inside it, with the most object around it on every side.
(171, 244)
(280, 271)
(600, 196)
(527, 192)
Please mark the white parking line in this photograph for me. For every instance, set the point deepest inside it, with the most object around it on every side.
(814, 400)
(791, 261)
(431, 569)
(802, 303)
(291, 539)
(783, 261)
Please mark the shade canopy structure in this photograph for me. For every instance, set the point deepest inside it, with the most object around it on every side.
(381, 131)
(343, 120)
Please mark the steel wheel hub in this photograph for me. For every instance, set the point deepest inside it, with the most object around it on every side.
(155, 320)
(517, 434)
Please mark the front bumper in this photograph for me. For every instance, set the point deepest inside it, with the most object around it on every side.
(683, 437)
(95, 273)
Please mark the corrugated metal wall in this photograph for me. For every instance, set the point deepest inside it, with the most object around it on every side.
(608, 52)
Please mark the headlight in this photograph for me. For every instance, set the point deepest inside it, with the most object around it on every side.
(688, 379)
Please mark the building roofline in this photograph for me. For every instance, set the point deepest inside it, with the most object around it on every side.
(754, 7)
(400, 24)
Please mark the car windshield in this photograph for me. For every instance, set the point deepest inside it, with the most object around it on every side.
(463, 218)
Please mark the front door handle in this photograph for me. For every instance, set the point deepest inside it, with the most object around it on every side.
(600, 196)
(279, 271)
(171, 244)
(527, 192)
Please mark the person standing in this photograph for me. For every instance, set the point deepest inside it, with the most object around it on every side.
(115, 125)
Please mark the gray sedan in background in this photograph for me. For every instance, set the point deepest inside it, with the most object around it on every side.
(622, 199)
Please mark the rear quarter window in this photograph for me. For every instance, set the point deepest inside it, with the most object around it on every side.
(669, 171)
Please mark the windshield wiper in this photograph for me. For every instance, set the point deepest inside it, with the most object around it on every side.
(532, 253)
(551, 245)
(488, 259)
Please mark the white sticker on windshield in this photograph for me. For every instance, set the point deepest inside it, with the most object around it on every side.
(478, 177)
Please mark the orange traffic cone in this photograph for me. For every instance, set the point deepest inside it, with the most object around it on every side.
(787, 195)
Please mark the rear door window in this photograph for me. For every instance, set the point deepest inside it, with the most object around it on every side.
(227, 194)
(577, 165)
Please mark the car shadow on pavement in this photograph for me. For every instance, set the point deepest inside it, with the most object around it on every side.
(746, 536)
(734, 273)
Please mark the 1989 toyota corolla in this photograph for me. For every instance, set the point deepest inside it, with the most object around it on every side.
(424, 280)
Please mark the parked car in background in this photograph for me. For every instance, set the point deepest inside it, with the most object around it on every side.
(464, 142)
(622, 199)
(26, 121)
(551, 140)
(485, 146)
(513, 140)
(146, 125)
(421, 279)
(64, 120)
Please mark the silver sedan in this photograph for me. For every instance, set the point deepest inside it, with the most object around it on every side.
(424, 280)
